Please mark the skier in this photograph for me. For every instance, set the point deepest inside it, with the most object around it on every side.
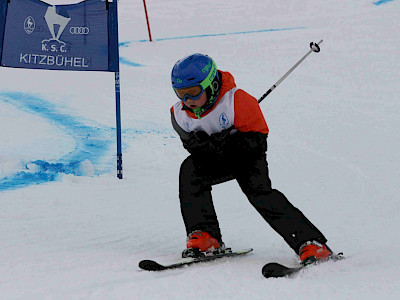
(225, 132)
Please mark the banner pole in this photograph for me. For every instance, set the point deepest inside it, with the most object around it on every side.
(118, 98)
(118, 118)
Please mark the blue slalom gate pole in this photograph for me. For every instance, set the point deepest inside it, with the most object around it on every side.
(118, 107)
(115, 46)
(118, 118)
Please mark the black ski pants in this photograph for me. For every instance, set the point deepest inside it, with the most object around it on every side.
(197, 176)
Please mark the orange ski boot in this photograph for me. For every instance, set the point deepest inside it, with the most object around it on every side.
(199, 243)
(314, 251)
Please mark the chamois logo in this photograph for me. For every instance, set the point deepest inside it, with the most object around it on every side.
(29, 25)
(52, 18)
(56, 24)
(223, 120)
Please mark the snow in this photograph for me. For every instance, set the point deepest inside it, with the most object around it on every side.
(69, 229)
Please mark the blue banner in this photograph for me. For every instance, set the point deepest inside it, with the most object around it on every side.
(76, 37)
(3, 10)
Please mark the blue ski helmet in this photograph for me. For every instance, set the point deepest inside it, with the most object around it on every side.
(197, 70)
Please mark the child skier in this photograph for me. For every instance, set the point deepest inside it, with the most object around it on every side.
(225, 133)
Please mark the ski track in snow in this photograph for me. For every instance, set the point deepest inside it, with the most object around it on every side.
(91, 143)
(381, 2)
(127, 62)
(126, 44)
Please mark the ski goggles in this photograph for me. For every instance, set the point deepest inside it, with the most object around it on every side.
(193, 92)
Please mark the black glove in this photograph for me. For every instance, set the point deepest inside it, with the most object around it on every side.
(220, 140)
(248, 142)
(198, 142)
(239, 143)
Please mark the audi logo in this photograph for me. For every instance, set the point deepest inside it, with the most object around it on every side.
(79, 30)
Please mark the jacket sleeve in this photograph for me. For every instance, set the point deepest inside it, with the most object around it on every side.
(249, 121)
(182, 133)
(248, 115)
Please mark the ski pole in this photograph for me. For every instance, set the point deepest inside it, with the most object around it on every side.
(314, 48)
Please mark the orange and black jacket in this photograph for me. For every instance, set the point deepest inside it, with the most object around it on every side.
(247, 131)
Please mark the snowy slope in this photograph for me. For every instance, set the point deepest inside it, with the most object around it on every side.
(69, 229)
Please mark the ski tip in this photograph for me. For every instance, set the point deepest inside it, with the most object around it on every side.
(244, 251)
(275, 270)
(271, 270)
(150, 265)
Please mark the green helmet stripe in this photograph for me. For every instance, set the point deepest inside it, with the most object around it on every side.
(211, 75)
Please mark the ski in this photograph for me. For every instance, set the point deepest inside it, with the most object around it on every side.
(275, 270)
(151, 265)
